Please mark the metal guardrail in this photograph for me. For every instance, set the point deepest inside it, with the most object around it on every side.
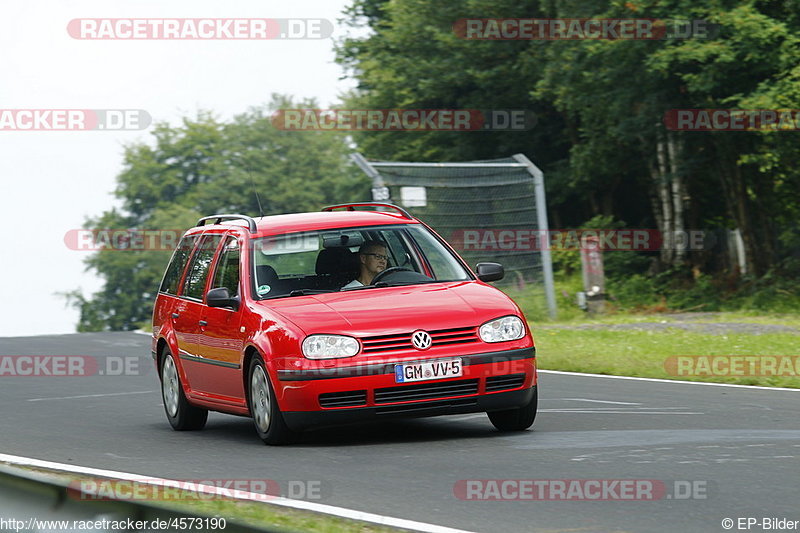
(35, 503)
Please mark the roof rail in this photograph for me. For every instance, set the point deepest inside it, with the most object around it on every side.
(251, 223)
(351, 207)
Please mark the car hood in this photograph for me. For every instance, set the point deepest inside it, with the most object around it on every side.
(389, 310)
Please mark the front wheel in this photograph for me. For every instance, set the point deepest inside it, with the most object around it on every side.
(518, 419)
(181, 415)
(270, 426)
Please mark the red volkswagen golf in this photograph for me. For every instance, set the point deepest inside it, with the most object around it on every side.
(345, 315)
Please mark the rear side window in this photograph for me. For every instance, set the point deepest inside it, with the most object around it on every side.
(198, 270)
(172, 277)
(227, 273)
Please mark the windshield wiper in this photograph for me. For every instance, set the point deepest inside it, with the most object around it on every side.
(306, 292)
(381, 284)
(403, 283)
(362, 287)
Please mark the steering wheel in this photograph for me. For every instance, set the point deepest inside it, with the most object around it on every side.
(382, 274)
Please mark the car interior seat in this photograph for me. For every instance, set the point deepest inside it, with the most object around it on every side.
(336, 267)
(266, 276)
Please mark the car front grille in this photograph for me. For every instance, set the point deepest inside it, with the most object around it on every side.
(402, 341)
(412, 408)
(426, 391)
(422, 391)
(497, 383)
(343, 399)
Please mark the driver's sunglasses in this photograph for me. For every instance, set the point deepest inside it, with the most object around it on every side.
(378, 256)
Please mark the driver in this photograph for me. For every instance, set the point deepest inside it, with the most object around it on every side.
(372, 260)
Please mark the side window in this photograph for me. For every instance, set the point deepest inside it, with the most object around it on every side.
(227, 273)
(444, 265)
(398, 252)
(177, 264)
(198, 270)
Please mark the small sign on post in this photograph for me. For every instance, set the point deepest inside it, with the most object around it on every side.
(413, 196)
(380, 194)
(593, 274)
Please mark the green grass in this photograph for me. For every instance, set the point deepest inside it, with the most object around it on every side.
(644, 353)
(269, 516)
(259, 514)
(678, 290)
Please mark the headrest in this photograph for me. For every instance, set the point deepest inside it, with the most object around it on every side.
(335, 261)
(266, 274)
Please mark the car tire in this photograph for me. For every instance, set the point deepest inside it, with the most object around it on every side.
(518, 419)
(267, 416)
(181, 415)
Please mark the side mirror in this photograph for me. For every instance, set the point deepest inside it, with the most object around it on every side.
(490, 271)
(220, 297)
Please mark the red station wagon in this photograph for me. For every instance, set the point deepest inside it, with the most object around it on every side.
(263, 318)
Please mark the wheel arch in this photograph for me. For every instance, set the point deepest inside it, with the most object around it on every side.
(250, 353)
(167, 339)
(162, 343)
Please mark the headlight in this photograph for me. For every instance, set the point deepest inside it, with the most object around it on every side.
(329, 346)
(508, 328)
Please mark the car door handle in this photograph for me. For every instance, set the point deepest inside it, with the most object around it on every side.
(203, 323)
(176, 315)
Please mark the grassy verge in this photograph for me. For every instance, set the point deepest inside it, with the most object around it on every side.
(265, 515)
(675, 290)
(259, 514)
(577, 342)
(645, 353)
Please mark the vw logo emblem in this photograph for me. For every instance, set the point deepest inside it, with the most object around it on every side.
(421, 340)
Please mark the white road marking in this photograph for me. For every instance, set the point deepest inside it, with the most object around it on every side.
(92, 396)
(606, 412)
(673, 381)
(620, 409)
(462, 417)
(590, 400)
(241, 495)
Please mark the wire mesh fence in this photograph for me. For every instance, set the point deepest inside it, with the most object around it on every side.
(490, 211)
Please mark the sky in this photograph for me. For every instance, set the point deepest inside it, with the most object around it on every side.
(52, 181)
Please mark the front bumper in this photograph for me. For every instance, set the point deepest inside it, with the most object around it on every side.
(489, 382)
(299, 420)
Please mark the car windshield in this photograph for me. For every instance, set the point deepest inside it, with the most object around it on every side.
(313, 262)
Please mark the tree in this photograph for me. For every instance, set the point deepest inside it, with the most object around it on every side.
(601, 138)
(204, 167)
(413, 58)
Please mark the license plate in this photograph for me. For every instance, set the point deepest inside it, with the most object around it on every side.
(445, 368)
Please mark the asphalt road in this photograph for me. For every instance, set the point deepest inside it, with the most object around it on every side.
(738, 448)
